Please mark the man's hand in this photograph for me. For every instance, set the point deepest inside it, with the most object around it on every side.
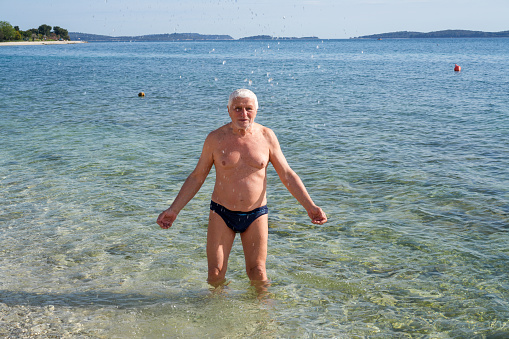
(166, 218)
(317, 215)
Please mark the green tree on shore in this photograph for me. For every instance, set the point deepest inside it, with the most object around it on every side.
(31, 34)
(7, 32)
(61, 33)
(44, 30)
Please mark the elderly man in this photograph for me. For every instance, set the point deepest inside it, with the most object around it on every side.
(240, 151)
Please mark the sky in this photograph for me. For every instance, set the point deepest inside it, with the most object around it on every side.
(326, 19)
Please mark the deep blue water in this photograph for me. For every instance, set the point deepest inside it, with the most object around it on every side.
(407, 157)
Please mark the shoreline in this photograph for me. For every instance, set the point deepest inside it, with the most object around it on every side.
(35, 43)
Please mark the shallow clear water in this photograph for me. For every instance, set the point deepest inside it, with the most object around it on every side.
(408, 158)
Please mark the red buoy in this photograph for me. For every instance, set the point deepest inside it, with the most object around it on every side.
(457, 68)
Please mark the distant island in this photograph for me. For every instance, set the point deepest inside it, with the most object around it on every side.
(152, 37)
(172, 37)
(451, 33)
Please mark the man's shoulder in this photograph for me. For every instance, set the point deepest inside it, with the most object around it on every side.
(266, 132)
(219, 131)
(217, 134)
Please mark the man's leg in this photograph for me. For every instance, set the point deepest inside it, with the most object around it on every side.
(254, 242)
(219, 244)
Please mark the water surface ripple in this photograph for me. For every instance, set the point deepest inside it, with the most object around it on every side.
(408, 158)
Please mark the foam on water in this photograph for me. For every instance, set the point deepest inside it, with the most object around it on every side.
(408, 158)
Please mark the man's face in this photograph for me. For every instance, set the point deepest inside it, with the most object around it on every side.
(242, 111)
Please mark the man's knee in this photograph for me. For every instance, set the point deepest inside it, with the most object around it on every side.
(257, 272)
(216, 274)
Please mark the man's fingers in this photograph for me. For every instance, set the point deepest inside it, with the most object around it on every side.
(319, 218)
(164, 225)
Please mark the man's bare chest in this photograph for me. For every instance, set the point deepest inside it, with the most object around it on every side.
(252, 155)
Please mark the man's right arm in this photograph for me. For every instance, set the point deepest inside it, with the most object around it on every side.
(292, 181)
(190, 187)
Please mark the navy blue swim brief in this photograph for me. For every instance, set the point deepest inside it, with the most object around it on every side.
(236, 220)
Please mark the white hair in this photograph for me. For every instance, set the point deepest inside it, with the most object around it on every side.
(243, 93)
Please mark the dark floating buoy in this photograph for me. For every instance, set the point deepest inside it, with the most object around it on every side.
(141, 94)
(457, 68)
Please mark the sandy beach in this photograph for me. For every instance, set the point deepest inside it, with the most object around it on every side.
(31, 43)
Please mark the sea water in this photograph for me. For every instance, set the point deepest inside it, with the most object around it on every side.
(408, 158)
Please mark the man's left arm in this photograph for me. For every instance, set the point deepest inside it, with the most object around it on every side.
(292, 181)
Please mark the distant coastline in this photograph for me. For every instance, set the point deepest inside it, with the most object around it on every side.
(451, 33)
(206, 37)
(76, 36)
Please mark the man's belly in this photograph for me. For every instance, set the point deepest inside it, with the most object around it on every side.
(240, 195)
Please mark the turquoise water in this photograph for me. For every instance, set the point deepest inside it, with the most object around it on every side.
(408, 158)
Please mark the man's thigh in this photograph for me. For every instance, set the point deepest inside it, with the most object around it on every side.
(219, 242)
(254, 242)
